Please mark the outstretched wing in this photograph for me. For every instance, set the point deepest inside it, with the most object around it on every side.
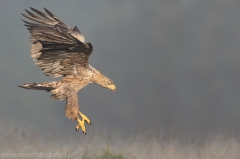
(57, 49)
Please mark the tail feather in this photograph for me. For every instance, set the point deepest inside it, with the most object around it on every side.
(47, 86)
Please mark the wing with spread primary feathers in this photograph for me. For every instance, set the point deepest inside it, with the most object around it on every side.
(57, 49)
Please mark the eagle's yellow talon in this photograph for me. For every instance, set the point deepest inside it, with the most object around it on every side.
(81, 124)
(85, 118)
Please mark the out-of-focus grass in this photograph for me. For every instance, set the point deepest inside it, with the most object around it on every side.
(106, 154)
(109, 145)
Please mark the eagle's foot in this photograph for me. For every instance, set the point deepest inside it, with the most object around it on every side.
(81, 124)
(85, 118)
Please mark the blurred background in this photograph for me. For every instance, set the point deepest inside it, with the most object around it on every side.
(176, 65)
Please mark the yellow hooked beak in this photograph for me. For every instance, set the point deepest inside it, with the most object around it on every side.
(112, 87)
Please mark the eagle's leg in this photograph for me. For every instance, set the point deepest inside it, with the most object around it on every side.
(81, 124)
(85, 118)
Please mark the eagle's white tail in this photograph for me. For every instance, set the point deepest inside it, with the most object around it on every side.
(47, 86)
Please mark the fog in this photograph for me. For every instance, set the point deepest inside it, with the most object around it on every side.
(176, 65)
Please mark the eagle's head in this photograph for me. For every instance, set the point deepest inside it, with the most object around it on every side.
(107, 83)
(111, 86)
(102, 80)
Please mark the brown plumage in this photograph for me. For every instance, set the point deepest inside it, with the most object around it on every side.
(59, 50)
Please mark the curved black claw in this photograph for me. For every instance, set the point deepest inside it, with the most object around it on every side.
(76, 129)
(90, 123)
(84, 133)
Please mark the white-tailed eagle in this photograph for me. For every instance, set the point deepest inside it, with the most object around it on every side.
(59, 50)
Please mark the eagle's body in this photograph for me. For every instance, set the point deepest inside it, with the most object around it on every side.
(60, 51)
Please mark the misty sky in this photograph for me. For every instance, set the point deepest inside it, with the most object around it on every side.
(176, 65)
